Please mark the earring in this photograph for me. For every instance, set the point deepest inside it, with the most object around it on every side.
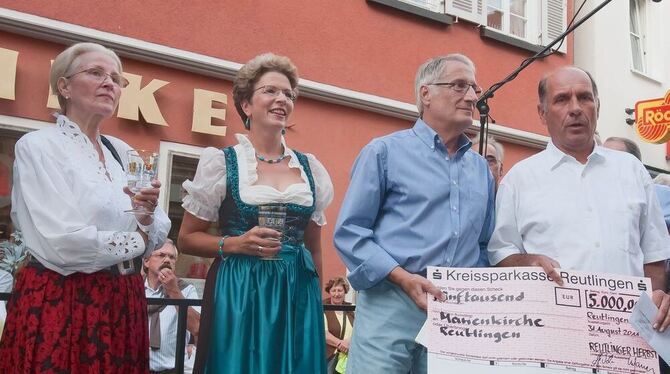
(283, 131)
(247, 123)
(67, 97)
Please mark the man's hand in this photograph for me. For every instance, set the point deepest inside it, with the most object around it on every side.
(548, 264)
(415, 286)
(169, 281)
(662, 301)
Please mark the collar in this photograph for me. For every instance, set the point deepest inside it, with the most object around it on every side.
(431, 139)
(557, 157)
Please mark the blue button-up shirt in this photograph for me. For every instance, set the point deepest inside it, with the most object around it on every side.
(410, 204)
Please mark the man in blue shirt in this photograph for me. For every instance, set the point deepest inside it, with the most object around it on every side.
(417, 198)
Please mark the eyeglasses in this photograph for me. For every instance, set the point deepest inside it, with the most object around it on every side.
(162, 256)
(275, 91)
(100, 75)
(460, 86)
(492, 160)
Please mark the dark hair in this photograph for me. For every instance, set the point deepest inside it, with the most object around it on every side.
(337, 281)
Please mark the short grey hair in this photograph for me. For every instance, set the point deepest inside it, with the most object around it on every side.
(67, 62)
(431, 70)
(631, 146)
(500, 150)
(663, 179)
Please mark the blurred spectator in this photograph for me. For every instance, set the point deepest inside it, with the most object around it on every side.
(494, 154)
(339, 326)
(161, 282)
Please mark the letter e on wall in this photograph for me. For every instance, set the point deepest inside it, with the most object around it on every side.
(204, 112)
(8, 60)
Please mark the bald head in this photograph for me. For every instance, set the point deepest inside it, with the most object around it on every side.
(542, 86)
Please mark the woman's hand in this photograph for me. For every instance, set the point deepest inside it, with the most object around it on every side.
(343, 346)
(146, 199)
(259, 241)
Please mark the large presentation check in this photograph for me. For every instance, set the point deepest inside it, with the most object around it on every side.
(518, 320)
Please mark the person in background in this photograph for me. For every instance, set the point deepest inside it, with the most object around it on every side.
(494, 154)
(417, 198)
(339, 325)
(69, 199)
(262, 308)
(162, 282)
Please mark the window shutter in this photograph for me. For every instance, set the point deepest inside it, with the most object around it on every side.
(470, 10)
(554, 21)
(432, 5)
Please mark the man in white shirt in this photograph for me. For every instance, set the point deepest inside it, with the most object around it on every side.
(161, 282)
(580, 206)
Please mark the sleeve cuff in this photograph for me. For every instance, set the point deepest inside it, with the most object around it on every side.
(199, 210)
(372, 271)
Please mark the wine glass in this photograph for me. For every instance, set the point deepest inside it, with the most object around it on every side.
(141, 169)
(272, 217)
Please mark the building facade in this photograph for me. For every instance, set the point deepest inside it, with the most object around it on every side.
(624, 46)
(357, 61)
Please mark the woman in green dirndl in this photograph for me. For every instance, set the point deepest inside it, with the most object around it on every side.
(262, 308)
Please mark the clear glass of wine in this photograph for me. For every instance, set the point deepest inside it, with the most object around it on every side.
(141, 169)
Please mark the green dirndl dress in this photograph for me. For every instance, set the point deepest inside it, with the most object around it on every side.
(262, 316)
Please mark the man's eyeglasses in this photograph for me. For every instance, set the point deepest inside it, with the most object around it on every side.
(100, 75)
(460, 86)
(162, 256)
(275, 91)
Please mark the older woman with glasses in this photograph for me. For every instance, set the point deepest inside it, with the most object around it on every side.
(78, 305)
(262, 310)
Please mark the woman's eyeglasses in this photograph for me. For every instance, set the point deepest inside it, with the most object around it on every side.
(99, 75)
(275, 91)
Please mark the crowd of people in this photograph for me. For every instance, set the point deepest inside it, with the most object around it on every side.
(78, 305)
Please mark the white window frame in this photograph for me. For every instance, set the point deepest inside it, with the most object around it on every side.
(541, 28)
(531, 15)
(640, 10)
(432, 5)
(166, 151)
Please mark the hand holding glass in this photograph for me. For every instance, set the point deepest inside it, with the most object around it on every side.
(141, 169)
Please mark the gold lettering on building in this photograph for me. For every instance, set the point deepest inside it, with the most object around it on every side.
(136, 99)
(204, 112)
(8, 60)
(52, 101)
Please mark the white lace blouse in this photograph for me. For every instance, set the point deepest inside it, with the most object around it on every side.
(70, 213)
(208, 189)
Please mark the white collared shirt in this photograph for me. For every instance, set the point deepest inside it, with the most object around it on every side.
(164, 358)
(602, 216)
(71, 214)
(208, 189)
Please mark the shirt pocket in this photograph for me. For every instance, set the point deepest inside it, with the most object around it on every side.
(624, 225)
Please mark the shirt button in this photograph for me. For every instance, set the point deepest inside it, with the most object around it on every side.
(455, 233)
(453, 182)
(454, 208)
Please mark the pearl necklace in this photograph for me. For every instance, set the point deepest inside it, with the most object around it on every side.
(273, 160)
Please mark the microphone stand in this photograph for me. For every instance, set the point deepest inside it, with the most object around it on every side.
(482, 103)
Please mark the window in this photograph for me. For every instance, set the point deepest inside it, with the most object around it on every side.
(180, 163)
(434, 5)
(638, 35)
(508, 16)
(8, 139)
(535, 23)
